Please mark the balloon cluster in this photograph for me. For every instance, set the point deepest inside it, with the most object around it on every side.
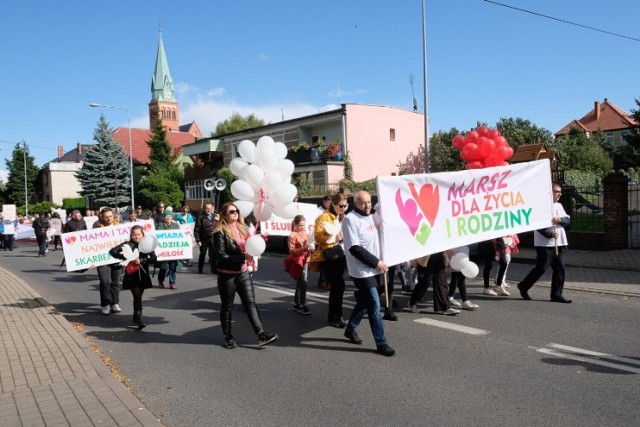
(462, 263)
(483, 147)
(264, 184)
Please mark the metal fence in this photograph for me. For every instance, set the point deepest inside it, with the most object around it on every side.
(585, 206)
(634, 216)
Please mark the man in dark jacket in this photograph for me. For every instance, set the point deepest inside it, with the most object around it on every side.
(75, 223)
(203, 231)
(40, 226)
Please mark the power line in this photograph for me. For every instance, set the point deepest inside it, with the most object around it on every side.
(564, 21)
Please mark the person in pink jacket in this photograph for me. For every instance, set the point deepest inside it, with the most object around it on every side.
(297, 264)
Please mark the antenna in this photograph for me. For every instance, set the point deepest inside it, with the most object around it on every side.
(415, 101)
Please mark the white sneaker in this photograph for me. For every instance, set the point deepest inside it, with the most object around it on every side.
(505, 285)
(116, 308)
(499, 290)
(454, 303)
(411, 308)
(468, 305)
(489, 291)
(106, 309)
(448, 312)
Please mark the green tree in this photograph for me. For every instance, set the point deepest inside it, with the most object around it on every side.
(236, 123)
(522, 132)
(105, 171)
(159, 186)
(443, 156)
(577, 151)
(14, 189)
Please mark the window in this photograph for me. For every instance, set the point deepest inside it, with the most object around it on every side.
(609, 136)
(392, 134)
(195, 190)
(623, 137)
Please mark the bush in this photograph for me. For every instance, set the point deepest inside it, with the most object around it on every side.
(354, 187)
(73, 203)
(304, 186)
(582, 179)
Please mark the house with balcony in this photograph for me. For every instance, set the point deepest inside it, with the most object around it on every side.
(58, 177)
(606, 117)
(375, 138)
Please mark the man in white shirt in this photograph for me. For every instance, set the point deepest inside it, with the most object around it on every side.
(550, 243)
(362, 250)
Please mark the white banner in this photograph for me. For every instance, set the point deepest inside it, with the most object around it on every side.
(56, 224)
(174, 244)
(277, 226)
(90, 248)
(25, 231)
(9, 212)
(428, 213)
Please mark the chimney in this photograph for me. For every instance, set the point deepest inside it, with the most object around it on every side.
(596, 107)
(79, 148)
(60, 151)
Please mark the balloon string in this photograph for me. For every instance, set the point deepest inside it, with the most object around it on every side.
(261, 200)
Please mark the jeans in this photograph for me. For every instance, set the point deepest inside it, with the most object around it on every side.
(228, 285)
(368, 301)
(42, 244)
(300, 297)
(168, 268)
(458, 281)
(502, 271)
(109, 288)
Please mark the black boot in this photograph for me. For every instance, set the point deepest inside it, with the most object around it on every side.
(137, 319)
(265, 338)
(229, 342)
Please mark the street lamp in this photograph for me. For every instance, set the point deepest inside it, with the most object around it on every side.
(97, 105)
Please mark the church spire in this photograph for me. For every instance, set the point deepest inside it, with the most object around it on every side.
(161, 82)
(163, 103)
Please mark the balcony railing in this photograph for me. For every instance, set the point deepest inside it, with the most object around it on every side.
(311, 156)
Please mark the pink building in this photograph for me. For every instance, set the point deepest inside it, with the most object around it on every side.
(376, 138)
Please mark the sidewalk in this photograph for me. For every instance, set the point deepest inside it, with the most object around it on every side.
(49, 375)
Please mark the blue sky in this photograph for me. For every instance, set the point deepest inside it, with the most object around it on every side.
(300, 57)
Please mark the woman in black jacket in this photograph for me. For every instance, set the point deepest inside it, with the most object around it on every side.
(233, 274)
(136, 276)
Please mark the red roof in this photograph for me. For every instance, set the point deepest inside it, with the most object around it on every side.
(605, 116)
(139, 138)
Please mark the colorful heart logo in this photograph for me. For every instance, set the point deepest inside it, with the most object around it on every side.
(428, 199)
(424, 233)
(409, 212)
(70, 240)
(146, 227)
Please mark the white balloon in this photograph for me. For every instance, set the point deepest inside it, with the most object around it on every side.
(262, 211)
(280, 150)
(287, 211)
(247, 150)
(284, 195)
(285, 167)
(272, 181)
(457, 261)
(253, 174)
(265, 141)
(245, 207)
(255, 245)
(242, 190)
(267, 157)
(237, 165)
(470, 270)
(148, 244)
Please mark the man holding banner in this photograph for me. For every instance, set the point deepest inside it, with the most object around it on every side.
(362, 250)
(550, 243)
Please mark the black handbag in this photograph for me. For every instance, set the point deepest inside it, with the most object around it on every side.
(333, 253)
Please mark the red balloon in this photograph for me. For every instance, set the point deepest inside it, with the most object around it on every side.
(482, 130)
(471, 152)
(509, 153)
(458, 141)
(493, 133)
(503, 164)
(475, 165)
(486, 146)
(501, 141)
(501, 153)
(472, 136)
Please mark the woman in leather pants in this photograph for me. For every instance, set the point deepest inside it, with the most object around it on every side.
(233, 274)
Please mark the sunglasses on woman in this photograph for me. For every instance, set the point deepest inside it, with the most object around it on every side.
(232, 211)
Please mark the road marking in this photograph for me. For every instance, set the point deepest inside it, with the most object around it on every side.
(452, 326)
(311, 296)
(592, 357)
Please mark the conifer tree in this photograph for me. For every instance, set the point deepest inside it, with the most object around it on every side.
(161, 159)
(105, 172)
(14, 189)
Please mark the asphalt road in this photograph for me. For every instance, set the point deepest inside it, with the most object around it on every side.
(511, 362)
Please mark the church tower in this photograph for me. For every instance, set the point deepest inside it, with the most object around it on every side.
(163, 103)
